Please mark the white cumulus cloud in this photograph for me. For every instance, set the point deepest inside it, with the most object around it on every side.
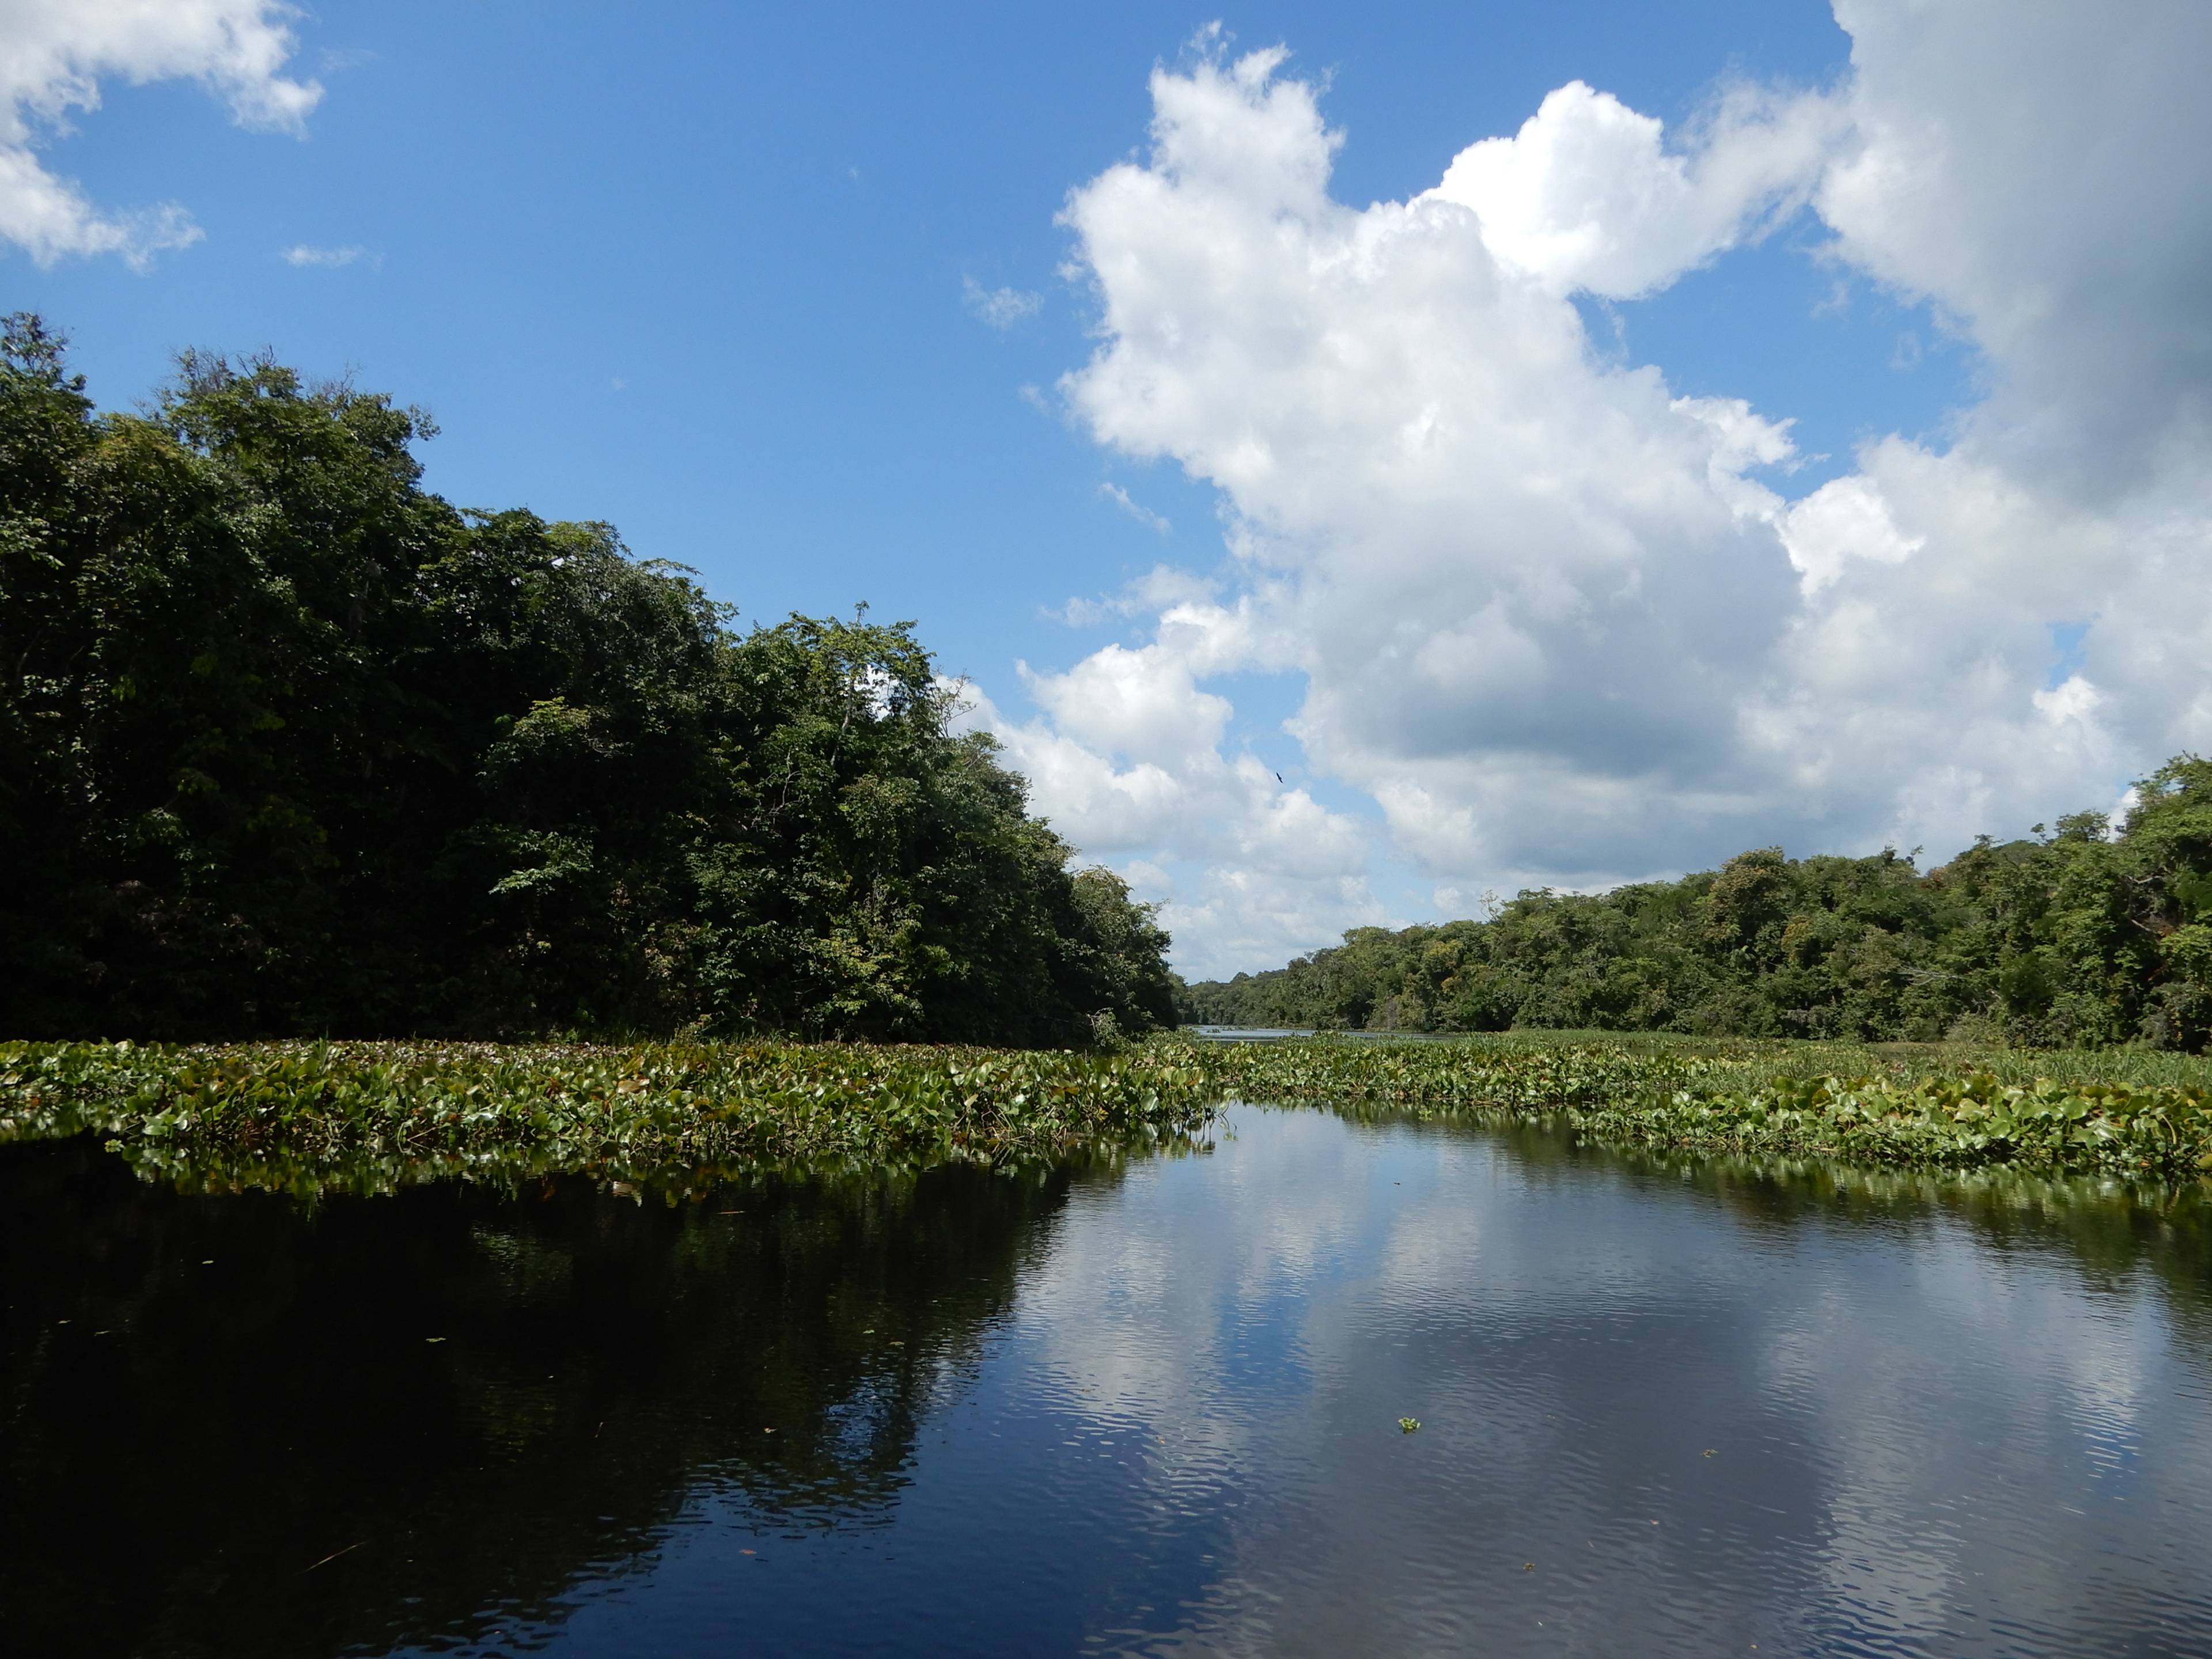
(1556, 621)
(1128, 758)
(1843, 520)
(1588, 196)
(54, 54)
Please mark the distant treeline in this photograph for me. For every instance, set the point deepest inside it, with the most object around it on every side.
(289, 746)
(2088, 936)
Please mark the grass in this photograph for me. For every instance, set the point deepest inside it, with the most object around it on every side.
(373, 1116)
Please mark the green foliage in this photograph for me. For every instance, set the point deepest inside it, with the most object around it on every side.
(370, 1116)
(1664, 1099)
(290, 746)
(2088, 937)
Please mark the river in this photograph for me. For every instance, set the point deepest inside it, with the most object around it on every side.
(1145, 1407)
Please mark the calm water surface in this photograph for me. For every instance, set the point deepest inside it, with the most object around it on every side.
(1146, 1410)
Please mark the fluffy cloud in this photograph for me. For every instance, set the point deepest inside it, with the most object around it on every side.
(1559, 624)
(1842, 521)
(2041, 174)
(1127, 757)
(1586, 196)
(53, 55)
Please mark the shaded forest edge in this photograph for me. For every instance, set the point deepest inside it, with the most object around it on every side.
(290, 746)
(2091, 935)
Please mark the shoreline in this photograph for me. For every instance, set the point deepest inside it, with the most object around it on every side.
(309, 1115)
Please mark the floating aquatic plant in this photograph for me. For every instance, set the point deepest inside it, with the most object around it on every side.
(1639, 1097)
(376, 1115)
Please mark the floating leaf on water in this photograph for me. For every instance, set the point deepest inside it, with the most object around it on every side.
(1407, 1425)
(376, 1116)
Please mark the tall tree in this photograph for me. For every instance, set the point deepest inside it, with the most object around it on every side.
(289, 744)
(2090, 934)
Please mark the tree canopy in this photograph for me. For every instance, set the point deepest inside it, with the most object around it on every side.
(2089, 934)
(289, 744)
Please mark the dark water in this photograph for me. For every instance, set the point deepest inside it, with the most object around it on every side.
(1152, 1410)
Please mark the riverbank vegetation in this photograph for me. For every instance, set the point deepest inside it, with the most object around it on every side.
(377, 1115)
(1951, 1107)
(290, 746)
(2091, 934)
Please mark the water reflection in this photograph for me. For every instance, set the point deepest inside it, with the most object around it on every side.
(1666, 1413)
(237, 1425)
(1662, 1411)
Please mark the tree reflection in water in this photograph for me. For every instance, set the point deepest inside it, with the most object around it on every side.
(253, 1426)
(241, 1425)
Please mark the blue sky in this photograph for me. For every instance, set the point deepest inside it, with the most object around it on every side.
(759, 221)
(724, 277)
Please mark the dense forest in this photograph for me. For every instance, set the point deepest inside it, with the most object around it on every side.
(2089, 935)
(289, 746)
